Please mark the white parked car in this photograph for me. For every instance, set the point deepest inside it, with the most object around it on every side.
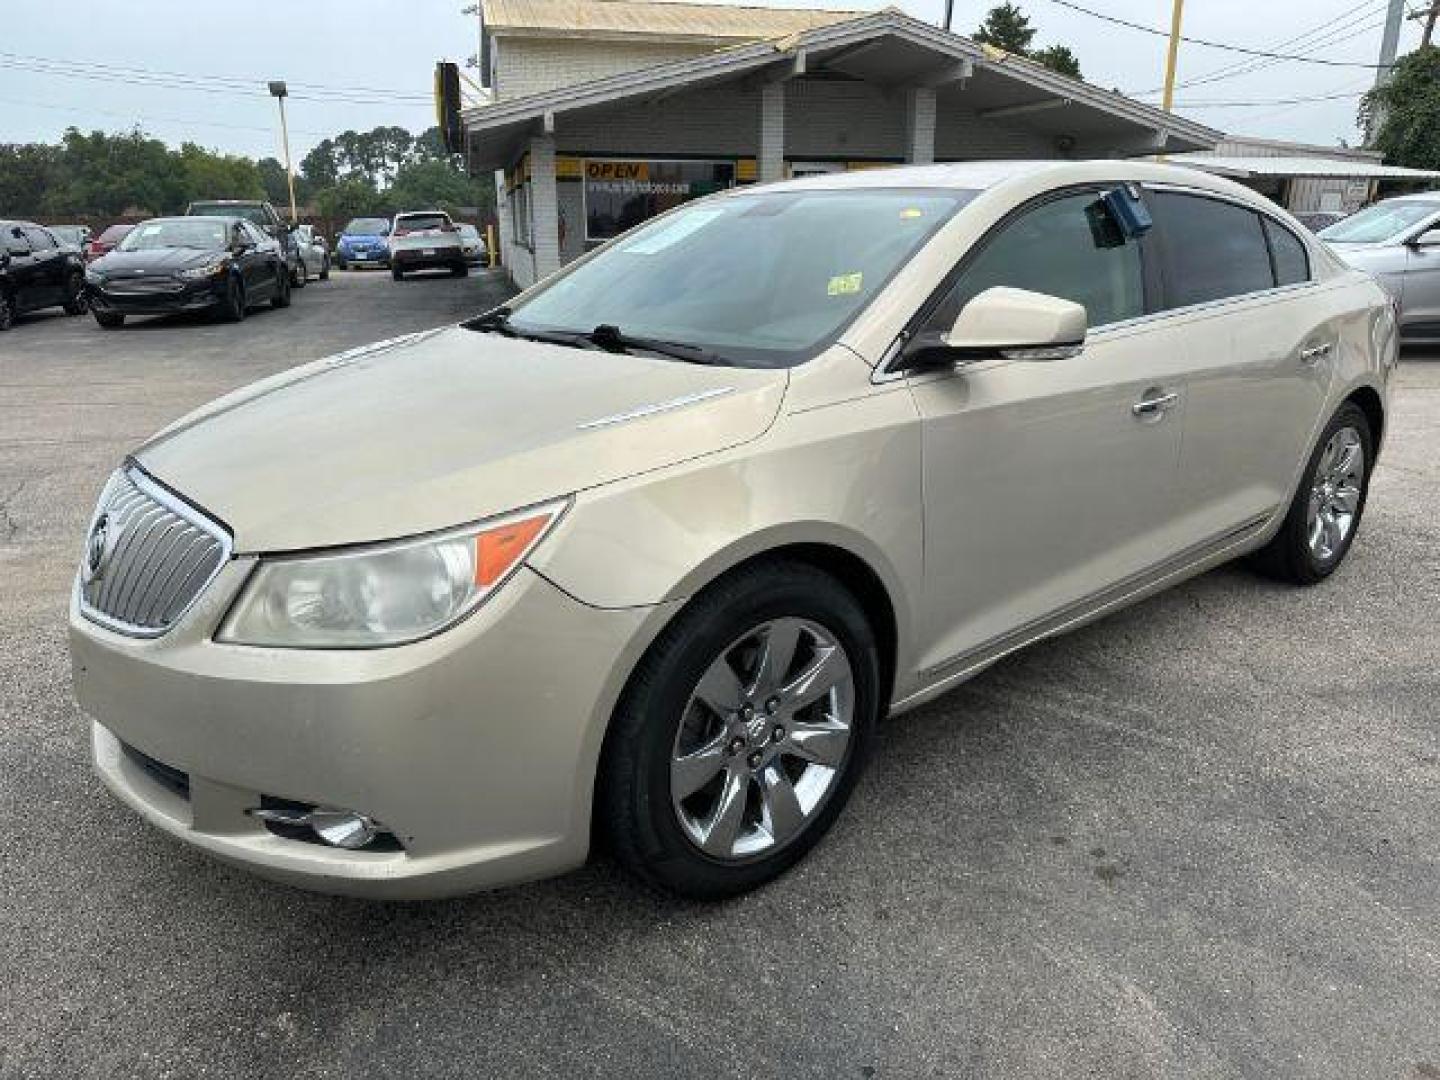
(649, 552)
(425, 240)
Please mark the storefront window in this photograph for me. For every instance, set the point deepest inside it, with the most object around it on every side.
(520, 206)
(620, 194)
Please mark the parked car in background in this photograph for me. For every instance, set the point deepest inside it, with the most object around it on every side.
(106, 241)
(1398, 240)
(71, 237)
(363, 242)
(1316, 220)
(425, 240)
(166, 266)
(36, 272)
(473, 245)
(264, 217)
(314, 254)
(648, 554)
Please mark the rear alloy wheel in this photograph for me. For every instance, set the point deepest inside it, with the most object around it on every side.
(7, 310)
(742, 732)
(281, 299)
(1325, 513)
(75, 295)
(300, 277)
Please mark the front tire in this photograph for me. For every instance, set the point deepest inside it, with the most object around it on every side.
(7, 310)
(397, 274)
(233, 308)
(75, 295)
(1326, 511)
(110, 320)
(300, 277)
(460, 270)
(281, 299)
(325, 269)
(742, 732)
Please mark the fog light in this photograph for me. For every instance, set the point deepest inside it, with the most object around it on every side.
(344, 829)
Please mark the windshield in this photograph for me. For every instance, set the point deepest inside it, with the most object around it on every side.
(203, 234)
(68, 234)
(1381, 222)
(762, 280)
(421, 223)
(114, 233)
(468, 231)
(254, 214)
(367, 226)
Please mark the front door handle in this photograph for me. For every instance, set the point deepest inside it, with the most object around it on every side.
(1154, 404)
(1315, 353)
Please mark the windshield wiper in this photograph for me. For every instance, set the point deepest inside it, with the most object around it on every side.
(497, 321)
(611, 339)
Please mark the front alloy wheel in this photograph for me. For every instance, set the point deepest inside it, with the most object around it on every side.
(762, 739)
(741, 732)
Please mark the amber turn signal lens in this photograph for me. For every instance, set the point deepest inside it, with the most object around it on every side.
(497, 549)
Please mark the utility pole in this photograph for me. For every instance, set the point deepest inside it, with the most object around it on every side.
(1389, 45)
(278, 91)
(1174, 54)
(949, 12)
(1429, 14)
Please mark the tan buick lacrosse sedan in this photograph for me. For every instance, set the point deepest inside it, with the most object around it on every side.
(648, 553)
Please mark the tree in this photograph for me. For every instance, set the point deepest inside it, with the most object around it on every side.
(209, 175)
(347, 199)
(1059, 59)
(276, 183)
(1406, 107)
(1006, 27)
(321, 166)
(439, 184)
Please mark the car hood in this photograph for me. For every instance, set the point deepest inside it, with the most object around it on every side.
(155, 261)
(442, 428)
(1376, 258)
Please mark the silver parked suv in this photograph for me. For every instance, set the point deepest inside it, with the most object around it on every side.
(652, 550)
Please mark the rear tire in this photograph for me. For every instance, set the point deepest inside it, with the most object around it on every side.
(301, 277)
(793, 648)
(397, 274)
(7, 310)
(1325, 514)
(460, 271)
(110, 320)
(325, 269)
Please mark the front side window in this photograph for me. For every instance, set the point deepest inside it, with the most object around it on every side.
(1211, 249)
(762, 280)
(39, 239)
(1068, 247)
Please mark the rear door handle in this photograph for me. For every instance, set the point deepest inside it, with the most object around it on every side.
(1154, 405)
(1315, 353)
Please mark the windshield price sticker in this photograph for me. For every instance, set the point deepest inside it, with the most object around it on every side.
(844, 284)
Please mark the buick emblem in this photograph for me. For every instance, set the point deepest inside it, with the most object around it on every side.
(97, 548)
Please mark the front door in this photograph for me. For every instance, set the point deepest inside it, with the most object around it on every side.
(1048, 483)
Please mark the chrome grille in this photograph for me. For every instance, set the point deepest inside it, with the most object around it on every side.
(147, 558)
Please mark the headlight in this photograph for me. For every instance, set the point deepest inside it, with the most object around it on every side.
(94, 277)
(384, 594)
(212, 270)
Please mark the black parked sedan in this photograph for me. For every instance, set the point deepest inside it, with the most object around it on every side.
(169, 265)
(36, 272)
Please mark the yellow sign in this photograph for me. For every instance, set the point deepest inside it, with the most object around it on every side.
(842, 284)
(617, 170)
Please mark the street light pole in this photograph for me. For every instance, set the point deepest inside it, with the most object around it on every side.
(279, 91)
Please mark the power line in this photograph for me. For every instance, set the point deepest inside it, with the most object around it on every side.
(87, 111)
(1271, 101)
(1116, 20)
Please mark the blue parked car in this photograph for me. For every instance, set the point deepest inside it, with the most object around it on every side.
(363, 243)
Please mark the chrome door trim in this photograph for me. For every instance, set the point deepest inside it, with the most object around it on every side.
(958, 668)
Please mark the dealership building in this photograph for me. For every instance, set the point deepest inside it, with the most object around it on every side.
(601, 113)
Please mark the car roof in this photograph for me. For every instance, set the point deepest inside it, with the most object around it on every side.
(193, 217)
(1416, 196)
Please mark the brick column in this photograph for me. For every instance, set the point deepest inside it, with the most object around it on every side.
(772, 132)
(546, 206)
(920, 126)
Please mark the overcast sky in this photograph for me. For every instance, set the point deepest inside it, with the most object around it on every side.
(369, 62)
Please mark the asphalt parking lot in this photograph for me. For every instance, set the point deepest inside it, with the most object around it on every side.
(1198, 839)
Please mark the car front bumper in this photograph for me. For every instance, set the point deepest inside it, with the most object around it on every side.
(476, 748)
(197, 296)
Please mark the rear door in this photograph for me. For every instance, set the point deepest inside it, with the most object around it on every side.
(1255, 328)
(1048, 483)
(51, 265)
(23, 270)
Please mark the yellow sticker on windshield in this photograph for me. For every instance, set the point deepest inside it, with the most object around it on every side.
(842, 284)
(911, 212)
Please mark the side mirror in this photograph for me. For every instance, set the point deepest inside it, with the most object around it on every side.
(1429, 238)
(1015, 324)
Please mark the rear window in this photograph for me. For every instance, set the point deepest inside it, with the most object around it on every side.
(420, 223)
(114, 233)
(1292, 262)
(367, 226)
(1210, 249)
